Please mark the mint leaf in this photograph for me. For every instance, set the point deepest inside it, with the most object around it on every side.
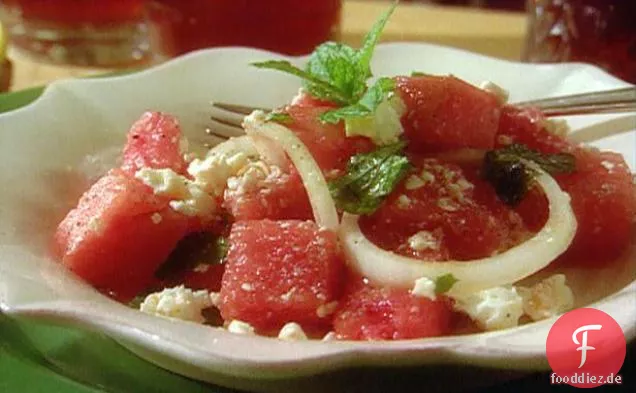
(418, 73)
(336, 72)
(444, 283)
(278, 117)
(376, 116)
(367, 104)
(370, 41)
(317, 87)
(370, 178)
(336, 64)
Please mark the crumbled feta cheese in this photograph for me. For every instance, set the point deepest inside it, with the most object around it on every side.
(195, 203)
(256, 117)
(215, 298)
(608, 165)
(413, 182)
(187, 197)
(247, 287)
(330, 336)
(211, 174)
(286, 297)
(403, 202)
(424, 287)
(427, 177)
(292, 332)
(423, 240)
(326, 309)
(178, 302)
(558, 127)
(156, 218)
(447, 204)
(494, 308)
(496, 90)
(240, 327)
(547, 298)
(164, 182)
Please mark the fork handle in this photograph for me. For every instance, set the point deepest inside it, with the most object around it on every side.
(620, 99)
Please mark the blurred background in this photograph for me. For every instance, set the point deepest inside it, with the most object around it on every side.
(45, 40)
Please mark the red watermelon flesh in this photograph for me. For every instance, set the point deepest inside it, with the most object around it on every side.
(118, 235)
(369, 313)
(453, 205)
(281, 271)
(153, 142)
(446, 113)
(276, 197)
(327, 143)
(604, 202)
(603, 197)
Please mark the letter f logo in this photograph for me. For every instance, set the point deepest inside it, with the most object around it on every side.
(583, 344)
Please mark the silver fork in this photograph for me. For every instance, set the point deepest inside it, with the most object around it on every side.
(227, 118)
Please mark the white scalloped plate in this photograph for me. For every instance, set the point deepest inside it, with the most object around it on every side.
(42, 158)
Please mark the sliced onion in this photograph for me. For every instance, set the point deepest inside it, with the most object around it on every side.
(232, 146)
(320, 198)
(386, 268)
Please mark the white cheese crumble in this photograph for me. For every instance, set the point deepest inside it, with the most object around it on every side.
(240, 327)
(496, 90)
(164, 182)
(413, 183)
(548, 298)
(247, 287)
(558, 127)
(326, 309)
(403, 202)
(156, 218)
(494, 308)
(292, 332)
(331, 336)
(178, 302)
(188, 197)
(424, 287)
(212, 173)
(608, 165)
(423, 240)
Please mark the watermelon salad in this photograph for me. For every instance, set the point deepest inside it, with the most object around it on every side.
(405, 208)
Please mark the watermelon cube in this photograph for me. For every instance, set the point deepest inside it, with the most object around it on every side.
(118, 235)
(278, 197)
(279, 272)
(369, 313)
(445, 113)
(154, 142)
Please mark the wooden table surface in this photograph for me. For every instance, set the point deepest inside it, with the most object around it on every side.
(499, 34)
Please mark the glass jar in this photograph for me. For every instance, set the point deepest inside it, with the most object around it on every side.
(291, 27)
(600, 32)
(107, 33)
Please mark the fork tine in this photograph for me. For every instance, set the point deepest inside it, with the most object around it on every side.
(227, 116)
(245, 110)
(223, 130)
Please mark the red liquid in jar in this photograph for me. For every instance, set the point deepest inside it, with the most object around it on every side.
(71, 13)
(601, 32)
(288, 26)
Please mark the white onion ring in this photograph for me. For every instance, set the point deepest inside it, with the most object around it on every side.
(322, 203)
(386, 268)
(232, 146)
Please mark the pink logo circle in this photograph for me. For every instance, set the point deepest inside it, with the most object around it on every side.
(586, 348)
